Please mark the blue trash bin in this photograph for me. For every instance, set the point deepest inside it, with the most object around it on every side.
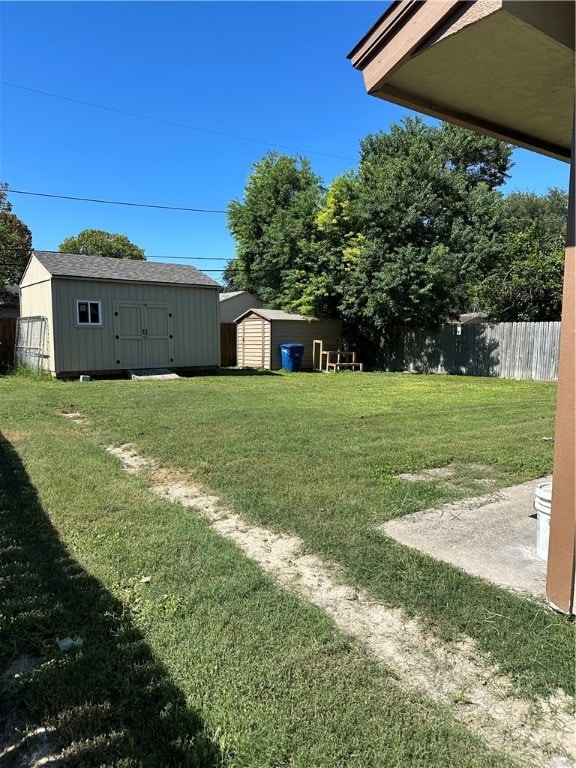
(292, 356)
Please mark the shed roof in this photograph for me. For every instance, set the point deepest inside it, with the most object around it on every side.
(82, 266)
(225, 295)
(273, 314)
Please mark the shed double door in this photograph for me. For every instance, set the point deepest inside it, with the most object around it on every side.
(143, 335)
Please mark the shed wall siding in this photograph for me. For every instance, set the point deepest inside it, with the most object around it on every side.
(302, 332)
(34, 273)
(36, 299)
(237, 305)
(196, 327)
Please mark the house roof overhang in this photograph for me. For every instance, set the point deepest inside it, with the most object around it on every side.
(501, 67)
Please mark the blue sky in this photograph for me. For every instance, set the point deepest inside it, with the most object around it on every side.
(272, 74)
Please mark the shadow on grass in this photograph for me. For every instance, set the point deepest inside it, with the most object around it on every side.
(106, 702)
(467, 350)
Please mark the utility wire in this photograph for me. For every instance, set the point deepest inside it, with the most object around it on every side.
(200, 269)
(231, 264)
(149, 259)
(114, 202)
(175, 124)
(148, 256)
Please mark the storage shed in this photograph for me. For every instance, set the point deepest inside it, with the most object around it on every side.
(261, 331)
(103, 315)
(234, 303)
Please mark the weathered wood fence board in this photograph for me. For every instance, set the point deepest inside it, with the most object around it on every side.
(526, 351)
(7, 341)
(228, 344)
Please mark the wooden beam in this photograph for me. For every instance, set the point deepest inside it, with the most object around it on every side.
(562, 547)
(423, 18)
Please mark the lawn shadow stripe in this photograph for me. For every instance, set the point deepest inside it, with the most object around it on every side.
(106, 701)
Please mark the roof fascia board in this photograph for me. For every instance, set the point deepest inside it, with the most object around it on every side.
(395, 17)
(250, 312)
(400, 38)
(405, 99)
(28, 267)
(261, 312)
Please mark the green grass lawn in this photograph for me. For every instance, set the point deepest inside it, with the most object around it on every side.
(211, 663)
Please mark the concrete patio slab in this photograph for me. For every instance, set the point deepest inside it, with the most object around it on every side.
(493, 537)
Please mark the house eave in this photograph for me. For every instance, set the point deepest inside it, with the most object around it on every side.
(472, 122)
(503, 68)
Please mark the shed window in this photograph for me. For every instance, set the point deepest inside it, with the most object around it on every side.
(89, 312)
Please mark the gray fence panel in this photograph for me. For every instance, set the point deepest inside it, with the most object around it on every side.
(524, 351)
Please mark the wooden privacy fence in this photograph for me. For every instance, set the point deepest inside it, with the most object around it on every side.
(527, 351)
(227, 344)
(7, 341)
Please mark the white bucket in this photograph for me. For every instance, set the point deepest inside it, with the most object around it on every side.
(542, 505)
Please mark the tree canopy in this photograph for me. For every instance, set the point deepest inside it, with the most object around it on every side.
(522, 209)
(96, 242)
(429, 217)
(418, 233)
(274, 229)
(15, 242)
(527, 284)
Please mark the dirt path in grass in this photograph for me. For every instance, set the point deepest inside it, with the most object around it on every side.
(540, 733)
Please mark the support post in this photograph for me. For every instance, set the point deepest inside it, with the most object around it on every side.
(562, 547)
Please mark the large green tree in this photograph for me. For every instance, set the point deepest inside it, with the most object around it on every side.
(405, 239)
(522, 209)
(431, 221)
(527, 284)
(275, 231)
(15, 242)
(96, 242)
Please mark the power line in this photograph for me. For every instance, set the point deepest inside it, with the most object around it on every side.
(114, 202)
(196, 258)
(173, 123)
(148, 256)
(200, 269)
(231, 263)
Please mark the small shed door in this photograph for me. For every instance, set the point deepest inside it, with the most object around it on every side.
(254, 347)
(129, 335)
(142, 334)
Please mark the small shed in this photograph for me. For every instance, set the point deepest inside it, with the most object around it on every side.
(103, 315)
(234, 303)
(260, 332)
